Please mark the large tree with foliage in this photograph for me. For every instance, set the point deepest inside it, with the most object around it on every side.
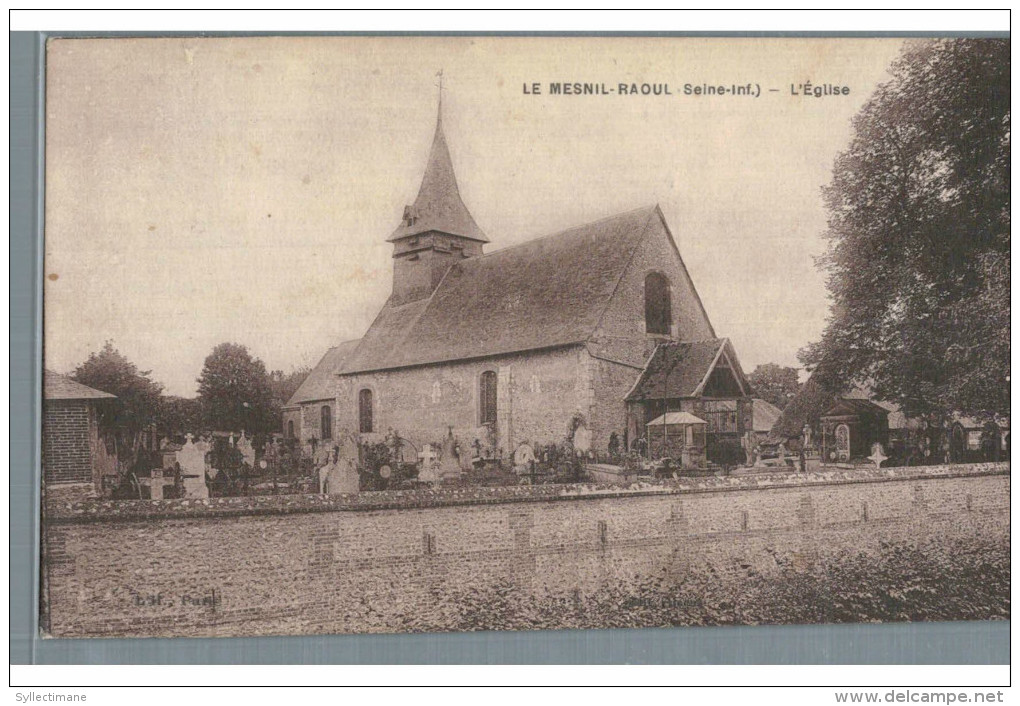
(918, 257)
(284, 385)
(138, 396)
(234, 391)
(774, 383)
(178, 416)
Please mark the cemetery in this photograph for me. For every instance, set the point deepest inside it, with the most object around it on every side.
(223, 464)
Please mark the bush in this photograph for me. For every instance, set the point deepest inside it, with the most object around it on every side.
(964, 581)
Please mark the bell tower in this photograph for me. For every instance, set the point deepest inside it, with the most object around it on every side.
(435, 231)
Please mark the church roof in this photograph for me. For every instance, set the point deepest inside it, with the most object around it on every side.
(317, 386)
(439, 206)
(544, 293)
(61, 387)
(681, 369)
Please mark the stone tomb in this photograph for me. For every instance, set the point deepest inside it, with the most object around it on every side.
(339, 476)
(247, 450)
(192, 460)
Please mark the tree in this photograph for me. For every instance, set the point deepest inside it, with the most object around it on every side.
(138, 396)
(284, 385)
(179, 415)
(918, 256)
(774, 383)
(234, 391)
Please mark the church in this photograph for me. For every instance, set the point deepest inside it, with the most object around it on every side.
(596, 327)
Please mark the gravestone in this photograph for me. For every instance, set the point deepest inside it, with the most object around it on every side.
(464, 458)
(582, 439)
(321, 455)
(877, 454)
(748, 443)
(192, 460)
(842, 443)
(429, 465)
(342, 470)
(156, 483)
(449, 467)
(271, 454)
(247, 450)
(323, 472)
(524, 456)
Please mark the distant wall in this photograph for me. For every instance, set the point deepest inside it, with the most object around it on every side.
(382, 562)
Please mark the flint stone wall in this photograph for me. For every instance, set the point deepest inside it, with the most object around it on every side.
(378, 562)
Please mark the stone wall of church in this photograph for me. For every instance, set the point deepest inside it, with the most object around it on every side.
(609, 411)
(523, 556)
(537, 395)
(292, 415)
(311, 420)
(621, 333)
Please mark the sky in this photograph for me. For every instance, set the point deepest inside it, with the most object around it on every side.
(241, 189)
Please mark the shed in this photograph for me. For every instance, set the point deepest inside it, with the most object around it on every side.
(678, 435)
(73, 454)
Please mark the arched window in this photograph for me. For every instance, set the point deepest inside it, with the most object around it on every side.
(658, 307)
(326, 426)
(290, 429)
(365, 411)
(487, 398)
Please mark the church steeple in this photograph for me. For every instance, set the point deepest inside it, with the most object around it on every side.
(438, 206)
(436, 230)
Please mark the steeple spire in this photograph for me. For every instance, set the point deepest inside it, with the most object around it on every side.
(440, 75)
(438, 206)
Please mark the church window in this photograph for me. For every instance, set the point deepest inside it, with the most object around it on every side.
(658, 307)
(327, 422)
(487, 397)
(437, 392)
(365, 411)
(290, 429)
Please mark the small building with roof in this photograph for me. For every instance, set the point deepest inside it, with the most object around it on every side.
(678, 435)
(704, 379)
(845, 426)
(765, 417)
(74, 457)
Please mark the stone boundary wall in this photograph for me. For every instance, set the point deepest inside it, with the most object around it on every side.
(379, 562)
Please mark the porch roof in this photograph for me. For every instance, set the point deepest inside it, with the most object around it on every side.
(682, 369)
(671, 418)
